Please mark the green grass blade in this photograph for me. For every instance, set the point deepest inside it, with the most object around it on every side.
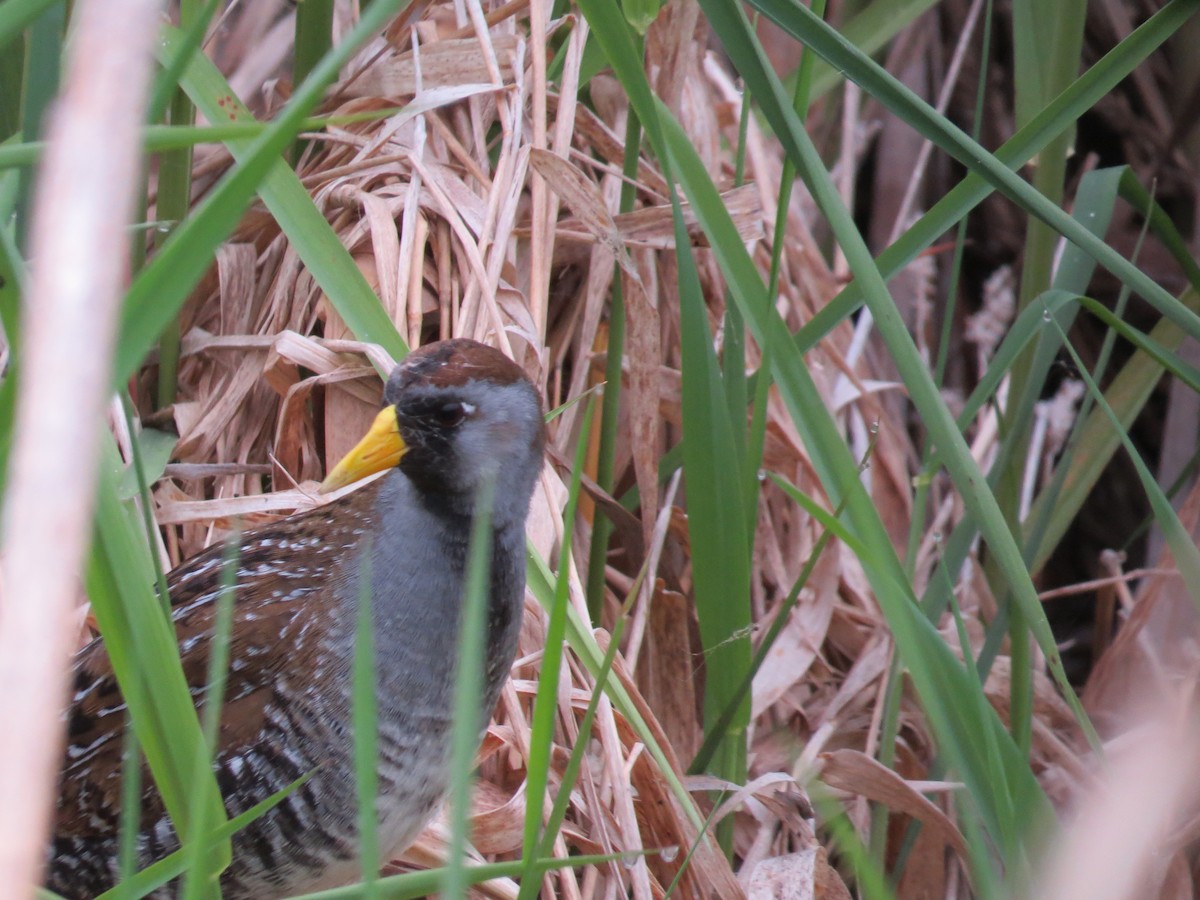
(141, 646)
(166, 84)
(201, 876)
(984, 875)
(43, 63)
(468, 679)
(747, 55)
(313, 239)
(1094, 206)
(869, 878)
(611, 408)
(570, 776)
(1174, 364)
(12, 74)
(129, 823)
(1030, 347)
(165, 870)
(1047, 40)
(160, 288)
(365, 717)
(1065, 109)
(938, 677)
(870, 29)
(936, 674)
(545, 705)
(314, 37)
(172, 137)
(131, 808)
(1187, 556)
(881, 85)
(424, 884)
(715, 732)
(1126, 395)
(1133, 192)
(718, 531)
(175, 180)
(583, 643)
(12, 279)
(17, 15)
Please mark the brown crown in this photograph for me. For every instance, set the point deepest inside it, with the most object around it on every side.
(453, 363)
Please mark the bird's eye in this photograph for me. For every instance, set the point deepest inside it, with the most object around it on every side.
(451, 415)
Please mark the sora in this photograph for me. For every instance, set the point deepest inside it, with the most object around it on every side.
(457, 412)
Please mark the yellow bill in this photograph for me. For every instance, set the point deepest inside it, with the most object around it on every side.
(380, 449)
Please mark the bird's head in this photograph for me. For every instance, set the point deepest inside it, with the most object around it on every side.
(457, 412)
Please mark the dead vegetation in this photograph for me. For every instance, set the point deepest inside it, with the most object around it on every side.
(489, 215)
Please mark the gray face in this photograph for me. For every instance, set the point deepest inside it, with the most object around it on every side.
(459, 435)
(499, 434)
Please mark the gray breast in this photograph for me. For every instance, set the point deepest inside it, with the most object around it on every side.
(417, 568)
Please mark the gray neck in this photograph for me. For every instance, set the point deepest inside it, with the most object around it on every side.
(510, 500)
(420, 625)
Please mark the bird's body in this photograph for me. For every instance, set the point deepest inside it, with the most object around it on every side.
(288, 702)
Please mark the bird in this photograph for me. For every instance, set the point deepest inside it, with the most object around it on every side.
(457, 414)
